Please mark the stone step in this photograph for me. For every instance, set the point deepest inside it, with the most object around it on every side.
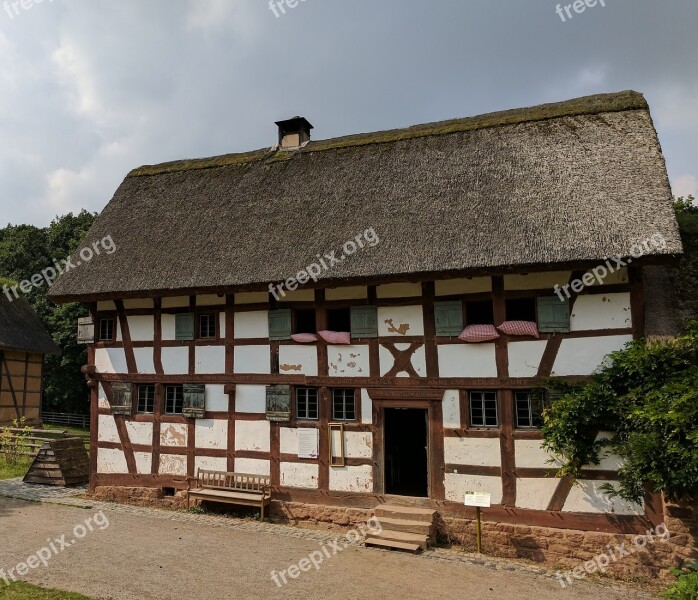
(406, 513)
(404, 538)
(391, 545)
(406, 526)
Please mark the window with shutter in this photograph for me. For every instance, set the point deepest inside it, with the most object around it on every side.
(86, 330)
(280, 325)
(121, 398)
(184, 327)
(449, 318)
(553, 315)
(194, 400)
(364, 322)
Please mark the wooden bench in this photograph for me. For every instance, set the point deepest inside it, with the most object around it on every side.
(231, 488)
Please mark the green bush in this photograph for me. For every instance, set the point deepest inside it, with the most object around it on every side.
(686, 588)
(647, 394)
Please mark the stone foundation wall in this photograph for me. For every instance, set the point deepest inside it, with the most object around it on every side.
(139, 496)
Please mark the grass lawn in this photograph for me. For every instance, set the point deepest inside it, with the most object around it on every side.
(24, 591)
(8, 471)
(71, 430)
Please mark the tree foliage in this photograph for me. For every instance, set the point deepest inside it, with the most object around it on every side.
(647, 395)
(26, 250)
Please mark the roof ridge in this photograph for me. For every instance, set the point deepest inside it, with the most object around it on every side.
(586, 105)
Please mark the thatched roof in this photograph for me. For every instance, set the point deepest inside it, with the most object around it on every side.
(21, 329)
(558, 184)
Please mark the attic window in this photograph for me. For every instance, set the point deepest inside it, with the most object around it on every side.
(339, 319)
(521, 309)
(479, 313)
(305, 321)
(106, 329)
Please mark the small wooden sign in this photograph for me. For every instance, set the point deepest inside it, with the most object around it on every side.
(194, 401)
(308, 443)
(279, 403)
(478, 499)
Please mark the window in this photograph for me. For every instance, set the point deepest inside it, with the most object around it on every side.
(553, 315)
(339, 319)
(479, 313)
(184, 327)
(448, 317)
(364, 322)
(280, 324)
(483, 409)
(146, 398)
(307, 403)
(207, 326)
(343, 405)
(174, 399)
(106, 329)
(305, 321)
(529, 409)
(521, 309)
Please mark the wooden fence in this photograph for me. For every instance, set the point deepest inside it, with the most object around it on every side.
(30, 441)
(66, 419)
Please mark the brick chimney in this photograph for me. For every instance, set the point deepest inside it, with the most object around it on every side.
(294, 133)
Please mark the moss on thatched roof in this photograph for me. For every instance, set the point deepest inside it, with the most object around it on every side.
(559, 184)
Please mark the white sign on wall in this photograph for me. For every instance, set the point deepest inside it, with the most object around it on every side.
(308, 443)
(479, 499)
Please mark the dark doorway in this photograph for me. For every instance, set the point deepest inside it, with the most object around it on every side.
(406, 472)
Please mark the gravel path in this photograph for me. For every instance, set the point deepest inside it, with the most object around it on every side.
(146, 554)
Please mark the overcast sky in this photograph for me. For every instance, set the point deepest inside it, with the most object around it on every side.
(90, 89)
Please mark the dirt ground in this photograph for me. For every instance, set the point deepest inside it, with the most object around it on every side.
(149, 557)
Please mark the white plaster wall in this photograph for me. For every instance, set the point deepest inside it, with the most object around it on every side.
(140, 434)
(111, 461)
(210, 359)
(102, 401)
(535, 494)
(584, 355)
(250, 399)
(251, 298)
(211, 434)
(105, 305)
(537, 281)
(399, 290)
(588, 497)
(144, 360)
(221, 318)
(118, 336)
(144, 462)
(175, 361)
(601, 311)
(617, 277)
(366, 407)
(251, 325)
(167, 323)
(347, 293)
(211, 463)
(298, 360)
(138, 303)
(141, 328)
(467, 360)
(297, 296)
(406, 321)
(173, 464)
(289, 440)
(106, 429)
(454, 287)
(351, 479)
(358, 444)
(252, 359)
(174, 434)
(348, 361)
(387, 361)
(210, 300)
(176, 302)
(530, 454)
(451, 409)
(253, 466)
(299, 475)
(525, 357)
(456, 486)
(110, 360)
(479, 452)
(252, 436)
(216, 398)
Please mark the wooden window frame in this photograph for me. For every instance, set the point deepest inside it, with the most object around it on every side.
(180, 388)
(216, 324)
(529, 394)
(296, 411)
(102, 319)
(483, 425)
(343, 419)
(138, 398)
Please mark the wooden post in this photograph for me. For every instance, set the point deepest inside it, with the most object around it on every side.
(479, 530)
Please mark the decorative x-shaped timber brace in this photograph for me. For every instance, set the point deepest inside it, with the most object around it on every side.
(403, 359)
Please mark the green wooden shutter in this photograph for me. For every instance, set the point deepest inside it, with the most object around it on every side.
(449, 318)
(184, 327)
(553, 315)
(194, 400)
(364, 322)
(280, 324)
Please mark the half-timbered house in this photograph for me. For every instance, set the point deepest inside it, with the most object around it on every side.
(411, 367)
(23, 344)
